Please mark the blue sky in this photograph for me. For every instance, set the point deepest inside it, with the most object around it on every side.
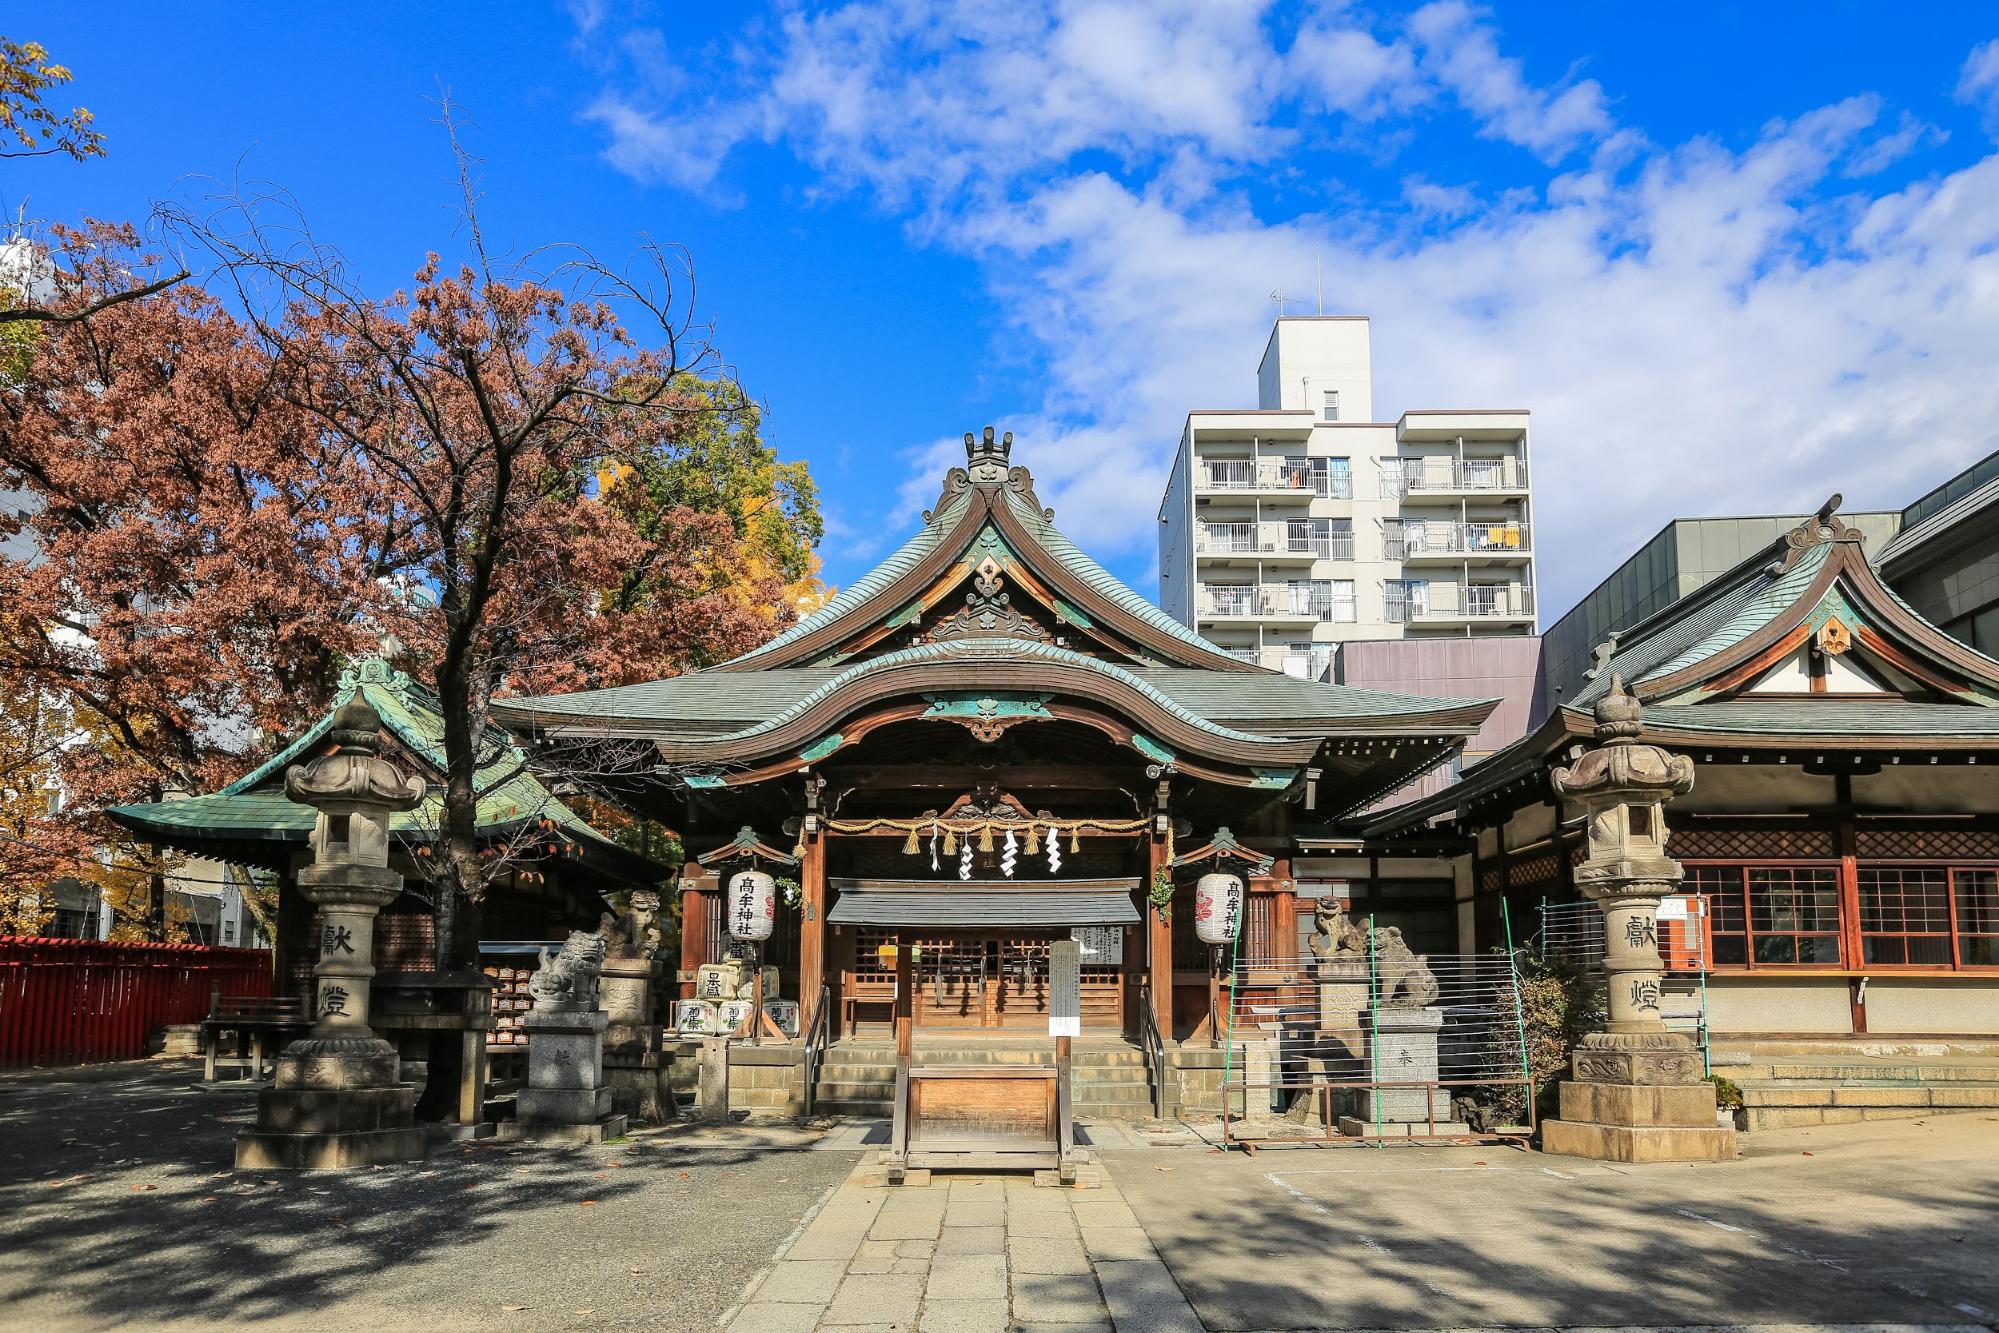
(1733, 260)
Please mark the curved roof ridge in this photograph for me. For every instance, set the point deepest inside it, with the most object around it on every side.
(1705, 621)
(997, 647)
(862, 590)
(1100, 580)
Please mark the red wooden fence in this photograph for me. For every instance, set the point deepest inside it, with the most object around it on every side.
(79, 1001)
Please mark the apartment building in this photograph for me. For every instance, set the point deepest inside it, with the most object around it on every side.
(1304, 523)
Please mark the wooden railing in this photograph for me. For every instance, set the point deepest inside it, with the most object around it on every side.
(82, 1001)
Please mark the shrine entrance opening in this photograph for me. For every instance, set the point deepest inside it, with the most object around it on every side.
(992, 980)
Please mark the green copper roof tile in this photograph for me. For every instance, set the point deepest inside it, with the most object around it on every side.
(874, 582)
(254, 807)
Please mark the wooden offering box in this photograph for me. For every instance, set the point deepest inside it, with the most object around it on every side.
(1004, 1116)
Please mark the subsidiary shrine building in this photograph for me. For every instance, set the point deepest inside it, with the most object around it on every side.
(984, 745)
(1841, 841)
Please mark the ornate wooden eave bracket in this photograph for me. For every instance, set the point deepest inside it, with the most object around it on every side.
(1224, 847)
(746, 847)
(988, 715)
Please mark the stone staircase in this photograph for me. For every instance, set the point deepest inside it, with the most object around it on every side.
(1841, 1080)
(1108, 1082)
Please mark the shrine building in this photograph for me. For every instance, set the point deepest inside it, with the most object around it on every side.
(1841, 841)
(986, 744)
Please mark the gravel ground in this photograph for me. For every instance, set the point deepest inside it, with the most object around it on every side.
(117, 1210)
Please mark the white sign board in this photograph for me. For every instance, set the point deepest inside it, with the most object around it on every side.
(1103, 946)
(1675, 909)
(1065, 989)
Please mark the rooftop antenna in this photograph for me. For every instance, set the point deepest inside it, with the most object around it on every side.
(1319, 271)
(1282, 300)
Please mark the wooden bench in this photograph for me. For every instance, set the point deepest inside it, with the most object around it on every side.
(257, 1028)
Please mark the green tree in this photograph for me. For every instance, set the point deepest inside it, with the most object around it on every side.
(716, 462)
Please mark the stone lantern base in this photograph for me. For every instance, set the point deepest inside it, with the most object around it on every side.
(1637, 1098)
(335, 1102)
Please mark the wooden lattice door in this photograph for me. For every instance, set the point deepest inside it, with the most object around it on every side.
(953, 983)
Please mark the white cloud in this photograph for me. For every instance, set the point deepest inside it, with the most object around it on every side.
(1697, 328)
(1978, 80)
(1909, 135)
(1460, 54)
(679, 151)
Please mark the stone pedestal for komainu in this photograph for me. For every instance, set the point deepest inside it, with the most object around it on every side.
(637, 1063)
(567, 1098)
(1636, 1094)
(1402, 1026)
(337, 1099)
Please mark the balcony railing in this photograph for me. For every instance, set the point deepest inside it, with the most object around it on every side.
(1288, 601)
(1218, 600)
(1322, 605)
(1272, 539)
(1274, 474)
(1457, 601)
(1448, 538)
(1418, 476)
(1305, 664)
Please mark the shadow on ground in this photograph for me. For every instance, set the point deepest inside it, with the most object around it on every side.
(117, 1204)
(1887, 1224)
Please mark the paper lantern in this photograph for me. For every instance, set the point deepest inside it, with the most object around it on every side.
(752, 905)
(1217, 908)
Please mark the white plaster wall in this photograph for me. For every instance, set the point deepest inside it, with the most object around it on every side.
(1923, 1005)
(1415, 867)
(1931, 788)
(1753, 789)
(1530, 824)
(1742, 1005)
(1305, 357)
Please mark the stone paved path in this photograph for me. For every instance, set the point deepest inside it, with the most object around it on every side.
(968, 1254)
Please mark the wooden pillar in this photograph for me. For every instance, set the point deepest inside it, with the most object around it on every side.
(1159, 943)
(1853, 950)
(695, 886)
(898, 1150)
(812, 924)
(295, 939)
(1284, 921)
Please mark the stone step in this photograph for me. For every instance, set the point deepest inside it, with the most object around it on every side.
(1868, 1095)
(1797, 1117)
(882, 1109)
(993, 1055)
(1093, 1068)
(882, 1082)
(1848, 1072)
(1732, 1049)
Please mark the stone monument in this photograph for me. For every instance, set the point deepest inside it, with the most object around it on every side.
(336, 1099)
(1636, 1094)
(567, 1098)
(1402, 1024)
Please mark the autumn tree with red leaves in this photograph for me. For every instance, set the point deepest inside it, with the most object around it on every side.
(490, 408)
(224, 507)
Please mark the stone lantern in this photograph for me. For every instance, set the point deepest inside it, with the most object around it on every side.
(1636, 1093)
(337, 1099)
